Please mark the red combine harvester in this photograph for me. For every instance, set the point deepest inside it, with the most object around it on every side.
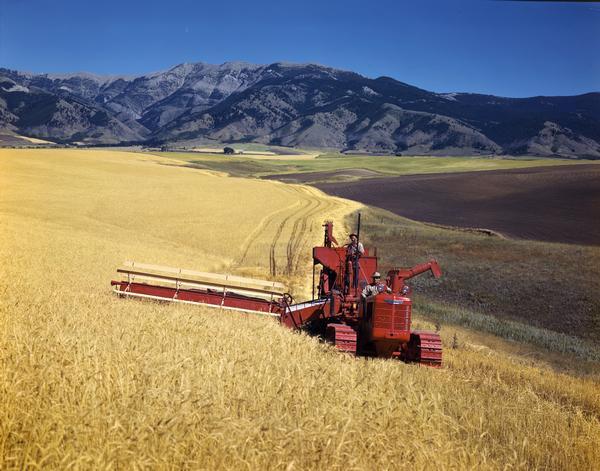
(376, 325)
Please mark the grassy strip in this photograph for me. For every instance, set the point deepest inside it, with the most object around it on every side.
(552, 286)
(507, 329)
(387, 166)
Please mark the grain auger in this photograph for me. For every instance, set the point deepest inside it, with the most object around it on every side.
(375, 325)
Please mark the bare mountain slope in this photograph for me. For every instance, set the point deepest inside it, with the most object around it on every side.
(62, 117)
(296, 105)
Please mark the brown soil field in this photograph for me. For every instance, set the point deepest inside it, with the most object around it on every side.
(555, 204)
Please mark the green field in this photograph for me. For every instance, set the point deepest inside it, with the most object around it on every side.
(246, 166)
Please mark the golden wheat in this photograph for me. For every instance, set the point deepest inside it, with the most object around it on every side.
(88, 380)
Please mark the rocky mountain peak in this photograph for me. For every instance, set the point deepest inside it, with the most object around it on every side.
(294, 104)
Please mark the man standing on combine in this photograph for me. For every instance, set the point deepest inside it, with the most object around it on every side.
(355, 247)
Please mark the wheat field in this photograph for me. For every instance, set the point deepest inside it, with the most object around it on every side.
(88, 380)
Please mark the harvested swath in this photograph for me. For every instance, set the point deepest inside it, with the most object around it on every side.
(557, 204)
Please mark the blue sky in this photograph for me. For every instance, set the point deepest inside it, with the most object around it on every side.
(501, 47)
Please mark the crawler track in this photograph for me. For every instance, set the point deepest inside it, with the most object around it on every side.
(343, 337)
(425, 348)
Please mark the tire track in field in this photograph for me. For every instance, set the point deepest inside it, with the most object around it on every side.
(272, 259)
(260, 229)
(306, 242)
(295, 239)
(310, 204)
(326, 208)
(300, 245)
(263, 229)
(300, 242)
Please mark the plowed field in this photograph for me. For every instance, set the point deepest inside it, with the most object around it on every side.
(557, 204)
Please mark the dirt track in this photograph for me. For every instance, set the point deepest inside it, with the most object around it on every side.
(558, 204)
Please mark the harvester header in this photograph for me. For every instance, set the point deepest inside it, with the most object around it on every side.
(193, 287)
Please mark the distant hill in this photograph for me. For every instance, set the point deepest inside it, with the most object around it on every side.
(304, 105)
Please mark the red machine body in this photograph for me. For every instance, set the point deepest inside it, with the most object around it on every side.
(378, 325)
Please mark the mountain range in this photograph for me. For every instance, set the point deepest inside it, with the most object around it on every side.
(303, 105)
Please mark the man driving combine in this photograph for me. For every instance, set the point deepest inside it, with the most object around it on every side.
(375, 287)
